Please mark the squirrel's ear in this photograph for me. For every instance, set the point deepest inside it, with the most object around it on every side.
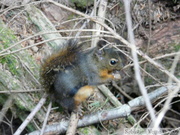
(99, 54)
(101, 43)
(99, 51)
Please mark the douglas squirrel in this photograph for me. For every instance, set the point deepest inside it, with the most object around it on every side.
(71, 73)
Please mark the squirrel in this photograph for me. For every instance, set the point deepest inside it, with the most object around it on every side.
(71, 73)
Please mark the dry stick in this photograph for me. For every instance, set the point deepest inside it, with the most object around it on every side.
(122, 91)
(31, 115)
(82, 18)
(157, 65)
(115, 101)
(135, 59)
(155, 58)
(118, 112)
(140, 120)
(144, 71)
(61, 127)
(46, 118)
(47, 32)
(19, 6)
(13, 18)
(94, 24)
(170, 94)
(72, 125)
(110, 95)
(19, 91)
(157, 104)
(172, 119)
(101, 16)
(149, 38)
(140, 68)
(26, 67)
(9, 123)
(173, 67)
(85, 23)
(176, 130)
(14, 7)
(15, 51)
(5, 107)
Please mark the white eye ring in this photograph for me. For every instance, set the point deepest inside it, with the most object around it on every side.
(113, 61)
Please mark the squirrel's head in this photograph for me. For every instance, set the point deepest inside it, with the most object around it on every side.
(109, 59)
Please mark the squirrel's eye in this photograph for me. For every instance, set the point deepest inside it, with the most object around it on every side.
(113, 62)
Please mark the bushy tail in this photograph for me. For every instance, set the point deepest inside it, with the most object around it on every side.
(58, 61)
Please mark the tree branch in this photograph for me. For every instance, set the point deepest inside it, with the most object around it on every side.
(118, 112)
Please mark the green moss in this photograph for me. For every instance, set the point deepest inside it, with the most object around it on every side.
(6, 39)
(176, 47)
(23, 115)
(20, 106)
(20, 109)
(89, 130)
(71, 16)
(148, 80)
(3, 99)
(84, 131)
(10, 63)
(95, 104)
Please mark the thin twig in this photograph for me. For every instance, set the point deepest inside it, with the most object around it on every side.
(135, 59)
(14, 7)
(19, 91)
(5, 107)
(149, 37)
(155, 58)
(118, 112)
(46, 118)
(72, 125)
(24, 65)
(52, 39)
(31, 115)
(19, 6)
(173, 67)
(115, 101)
(48, 32)
(85, 23)
(122, 92)
(101, 16)
(171, 94)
